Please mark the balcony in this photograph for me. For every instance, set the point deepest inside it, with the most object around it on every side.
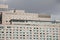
(31, 22)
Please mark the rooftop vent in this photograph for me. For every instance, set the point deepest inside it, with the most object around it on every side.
(14, 10)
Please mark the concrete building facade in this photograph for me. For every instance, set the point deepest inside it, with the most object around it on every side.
(18, 25)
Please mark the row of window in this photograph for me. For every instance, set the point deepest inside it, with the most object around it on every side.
(29, 38)
(30, 27)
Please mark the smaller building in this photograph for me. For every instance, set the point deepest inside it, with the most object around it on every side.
(3, 6)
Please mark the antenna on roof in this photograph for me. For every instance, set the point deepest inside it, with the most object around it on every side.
(14, 10)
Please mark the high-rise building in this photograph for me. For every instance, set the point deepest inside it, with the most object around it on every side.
(18, 25)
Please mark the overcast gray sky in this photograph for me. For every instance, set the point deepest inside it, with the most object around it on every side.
(37, 6)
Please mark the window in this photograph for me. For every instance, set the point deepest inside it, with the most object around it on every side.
(23, 32)
(10, 32)
(2, 32)
(8, 27)
(6, 21)
(49, 39)
(20, 37)
(35, 28)
(6, 32)
(23, 35)
(16, 37)
(30, 38)
(1, 27)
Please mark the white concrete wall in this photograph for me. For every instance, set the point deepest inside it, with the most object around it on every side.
(22, 15)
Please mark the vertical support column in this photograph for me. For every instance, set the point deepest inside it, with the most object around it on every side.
(5, 32)
(12, 32)
(38, 32)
